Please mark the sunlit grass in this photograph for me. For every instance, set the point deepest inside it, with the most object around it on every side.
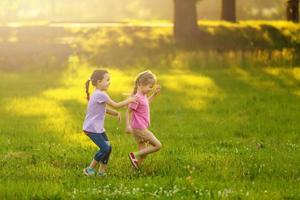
(244, 23)
(196, 91)
(279, 71)
(228, 121)
(203, 159)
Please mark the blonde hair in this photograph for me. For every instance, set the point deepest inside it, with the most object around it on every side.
(143, 78)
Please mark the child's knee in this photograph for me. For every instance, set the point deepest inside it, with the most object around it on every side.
(107, 150)
(158, 146)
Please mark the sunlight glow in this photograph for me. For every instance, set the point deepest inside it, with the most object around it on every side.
(195, 90)
(251, 79)
(285, 73)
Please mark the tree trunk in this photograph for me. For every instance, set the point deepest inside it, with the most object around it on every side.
(185, 20)
(228, 10)
(292, 10)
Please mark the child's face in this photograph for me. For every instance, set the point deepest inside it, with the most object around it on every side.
(104, 83)
(145, 89)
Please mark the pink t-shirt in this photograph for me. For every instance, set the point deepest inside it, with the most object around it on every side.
(140, 112)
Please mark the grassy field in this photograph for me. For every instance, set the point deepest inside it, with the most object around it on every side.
(228, 121)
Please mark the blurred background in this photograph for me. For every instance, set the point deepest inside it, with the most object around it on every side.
(117, 11)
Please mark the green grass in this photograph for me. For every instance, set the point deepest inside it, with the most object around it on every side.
(228, 121)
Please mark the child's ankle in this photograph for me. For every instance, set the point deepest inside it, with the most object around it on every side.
(101, 173)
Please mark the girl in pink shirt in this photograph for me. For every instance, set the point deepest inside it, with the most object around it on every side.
(138, 118)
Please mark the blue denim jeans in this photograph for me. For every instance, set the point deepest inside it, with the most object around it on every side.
(101, 140)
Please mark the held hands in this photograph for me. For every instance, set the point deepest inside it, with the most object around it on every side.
(132, 99)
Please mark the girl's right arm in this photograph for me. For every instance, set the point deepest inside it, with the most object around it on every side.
(121, 104)
(128, 118)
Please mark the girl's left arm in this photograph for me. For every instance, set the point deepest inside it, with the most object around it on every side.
(156, 91)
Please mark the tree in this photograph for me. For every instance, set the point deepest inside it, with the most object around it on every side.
(292, 10)
(229, 10)
(185, 20)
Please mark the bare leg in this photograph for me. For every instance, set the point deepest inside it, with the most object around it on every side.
(102, 168)
(93, 163)
(154, 146)
(141, 145)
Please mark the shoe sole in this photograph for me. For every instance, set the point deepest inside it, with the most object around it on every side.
(132, 162)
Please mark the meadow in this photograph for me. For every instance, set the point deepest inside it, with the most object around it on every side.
(228, 117)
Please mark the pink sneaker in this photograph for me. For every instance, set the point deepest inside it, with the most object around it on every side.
(133, 160)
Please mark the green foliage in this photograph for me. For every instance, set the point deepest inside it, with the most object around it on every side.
(250, 35)
(274, 39)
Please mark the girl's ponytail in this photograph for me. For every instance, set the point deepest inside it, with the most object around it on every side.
(96, 76)
(87, 84)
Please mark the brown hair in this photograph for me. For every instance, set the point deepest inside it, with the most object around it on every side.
(143, 78)
(96, 76)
